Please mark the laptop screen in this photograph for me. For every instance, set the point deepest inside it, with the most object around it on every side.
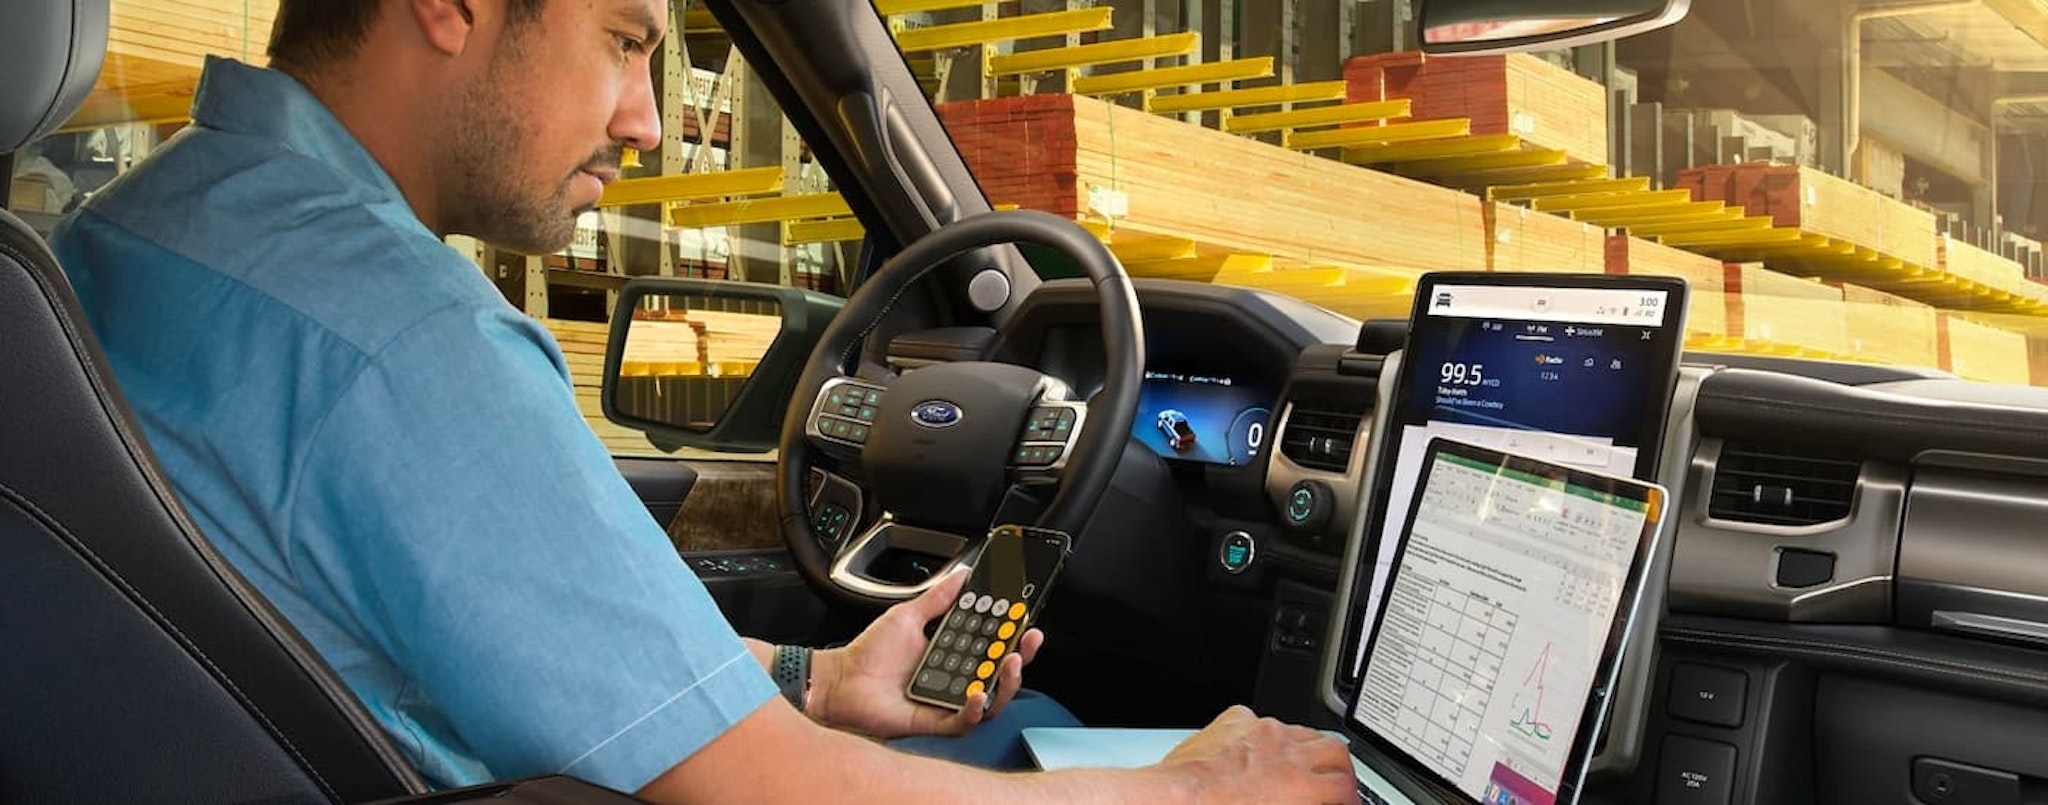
(1508, 603)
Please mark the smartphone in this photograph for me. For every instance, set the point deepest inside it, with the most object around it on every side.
(1001, 599)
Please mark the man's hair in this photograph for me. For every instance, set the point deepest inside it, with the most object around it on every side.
(311, 34)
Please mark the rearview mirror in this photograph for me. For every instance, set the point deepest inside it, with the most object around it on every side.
(709, 364)
(1504, 26)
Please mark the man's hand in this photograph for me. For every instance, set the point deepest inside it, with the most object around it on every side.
(860, 687)
(1240, 757)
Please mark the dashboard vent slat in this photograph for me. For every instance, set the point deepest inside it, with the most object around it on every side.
(1320, 434)
(1781, 487)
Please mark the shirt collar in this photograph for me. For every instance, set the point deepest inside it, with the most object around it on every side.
(237, 98)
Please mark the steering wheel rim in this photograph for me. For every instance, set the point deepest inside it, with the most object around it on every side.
(1096, 447)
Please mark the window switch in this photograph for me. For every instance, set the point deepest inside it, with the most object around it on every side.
(1707, 695)
(1695, 772)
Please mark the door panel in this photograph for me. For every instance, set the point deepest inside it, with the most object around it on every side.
(662, 484)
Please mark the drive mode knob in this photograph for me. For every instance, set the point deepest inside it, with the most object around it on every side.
(1307, 507)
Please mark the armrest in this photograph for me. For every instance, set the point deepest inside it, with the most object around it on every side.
(550, 790)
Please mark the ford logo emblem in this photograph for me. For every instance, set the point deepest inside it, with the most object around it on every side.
(935, 414)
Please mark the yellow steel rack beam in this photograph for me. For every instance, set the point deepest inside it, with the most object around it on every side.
(1664, 213)
(1379, 135)
(699, 21)
(1028, 26)
(1542, 174)
(1525, 192)
(1320, 116)
(693, 186)
(1647, 198)
(1153, 250)
(1738, 240)
(1111, 52)
(1677, 228)
(1208, 73)
(828, 230)
(758, 211)
(890, 8)
(1309, 92)
(1408, 152)
(1440, 166)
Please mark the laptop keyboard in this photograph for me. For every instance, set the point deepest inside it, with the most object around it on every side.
(1370, 797)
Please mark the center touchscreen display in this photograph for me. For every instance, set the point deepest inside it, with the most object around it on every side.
(1576, 371)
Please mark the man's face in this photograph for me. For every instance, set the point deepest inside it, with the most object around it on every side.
(540, 131)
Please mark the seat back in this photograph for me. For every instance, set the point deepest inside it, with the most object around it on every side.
(138, 666)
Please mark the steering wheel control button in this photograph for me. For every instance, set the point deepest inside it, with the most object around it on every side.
(1708, 695)
(1017, 611)
(1695, 772)
(1307, 507)
(1236, 552)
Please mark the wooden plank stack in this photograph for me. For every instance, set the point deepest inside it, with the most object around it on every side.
(1981, 352)
(1809, 200)
(1546, 105)
(1225, 193)
(155, 49)
(1707, 308)
(1986, 268)
(1884, 328)
(1526, 240)
(1767, 306)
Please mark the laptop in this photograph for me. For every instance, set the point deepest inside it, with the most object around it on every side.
(1508, 605)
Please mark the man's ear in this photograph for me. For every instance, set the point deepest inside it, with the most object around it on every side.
(446, 25)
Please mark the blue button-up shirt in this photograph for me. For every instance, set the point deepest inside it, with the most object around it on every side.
(393, 455)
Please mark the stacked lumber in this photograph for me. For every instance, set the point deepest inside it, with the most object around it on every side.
(1225, 194)
(1981, 352)
(155, 49)
(1884, 328)
(1766, 306)
(1811, 201)
(1522, 239)
(1707, 308)
(1518, 94)
(1968, 262)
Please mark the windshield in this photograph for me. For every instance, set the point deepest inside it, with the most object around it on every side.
(1836, 184)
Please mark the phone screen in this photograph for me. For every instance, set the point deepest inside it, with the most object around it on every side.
(1018, 565)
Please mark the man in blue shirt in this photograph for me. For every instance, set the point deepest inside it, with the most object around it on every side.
(393, 454)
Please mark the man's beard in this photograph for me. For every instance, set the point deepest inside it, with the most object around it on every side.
(496, 206)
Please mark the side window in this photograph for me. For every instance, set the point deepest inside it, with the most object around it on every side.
(732, 193)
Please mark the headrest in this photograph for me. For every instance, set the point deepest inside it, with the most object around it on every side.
(50, 54)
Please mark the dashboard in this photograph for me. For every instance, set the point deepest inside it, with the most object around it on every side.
(1852, 578)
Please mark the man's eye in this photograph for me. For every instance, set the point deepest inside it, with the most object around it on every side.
(629, 44)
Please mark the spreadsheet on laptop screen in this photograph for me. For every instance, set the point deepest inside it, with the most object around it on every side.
(1501, 605)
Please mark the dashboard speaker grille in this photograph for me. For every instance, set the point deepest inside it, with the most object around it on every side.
(1775, 486)
(1320, 434)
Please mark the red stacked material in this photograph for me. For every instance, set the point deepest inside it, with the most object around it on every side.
(1809, 200)
(1547, 106)
(1022, 150)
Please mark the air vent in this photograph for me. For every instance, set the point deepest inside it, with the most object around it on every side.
(1320, 434)
(1781, 487)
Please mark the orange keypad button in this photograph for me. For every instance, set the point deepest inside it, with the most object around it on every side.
(1008, 629)
(995, 650)
(987, 669)
(974, 688)
(1017, 611)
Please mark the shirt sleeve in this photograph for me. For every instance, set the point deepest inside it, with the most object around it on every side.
(455, 507)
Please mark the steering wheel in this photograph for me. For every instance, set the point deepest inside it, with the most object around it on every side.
(940, 447)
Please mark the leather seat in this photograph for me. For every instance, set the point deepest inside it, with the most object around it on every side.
(138, 665)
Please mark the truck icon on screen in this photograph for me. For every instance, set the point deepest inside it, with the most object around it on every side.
(1179, 434)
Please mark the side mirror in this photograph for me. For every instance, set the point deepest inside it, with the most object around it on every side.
(1505, 26)
(709, 364)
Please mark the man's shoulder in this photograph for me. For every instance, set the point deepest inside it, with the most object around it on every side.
(288, 230)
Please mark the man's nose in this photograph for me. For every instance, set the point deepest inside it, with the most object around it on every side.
(636, 123)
